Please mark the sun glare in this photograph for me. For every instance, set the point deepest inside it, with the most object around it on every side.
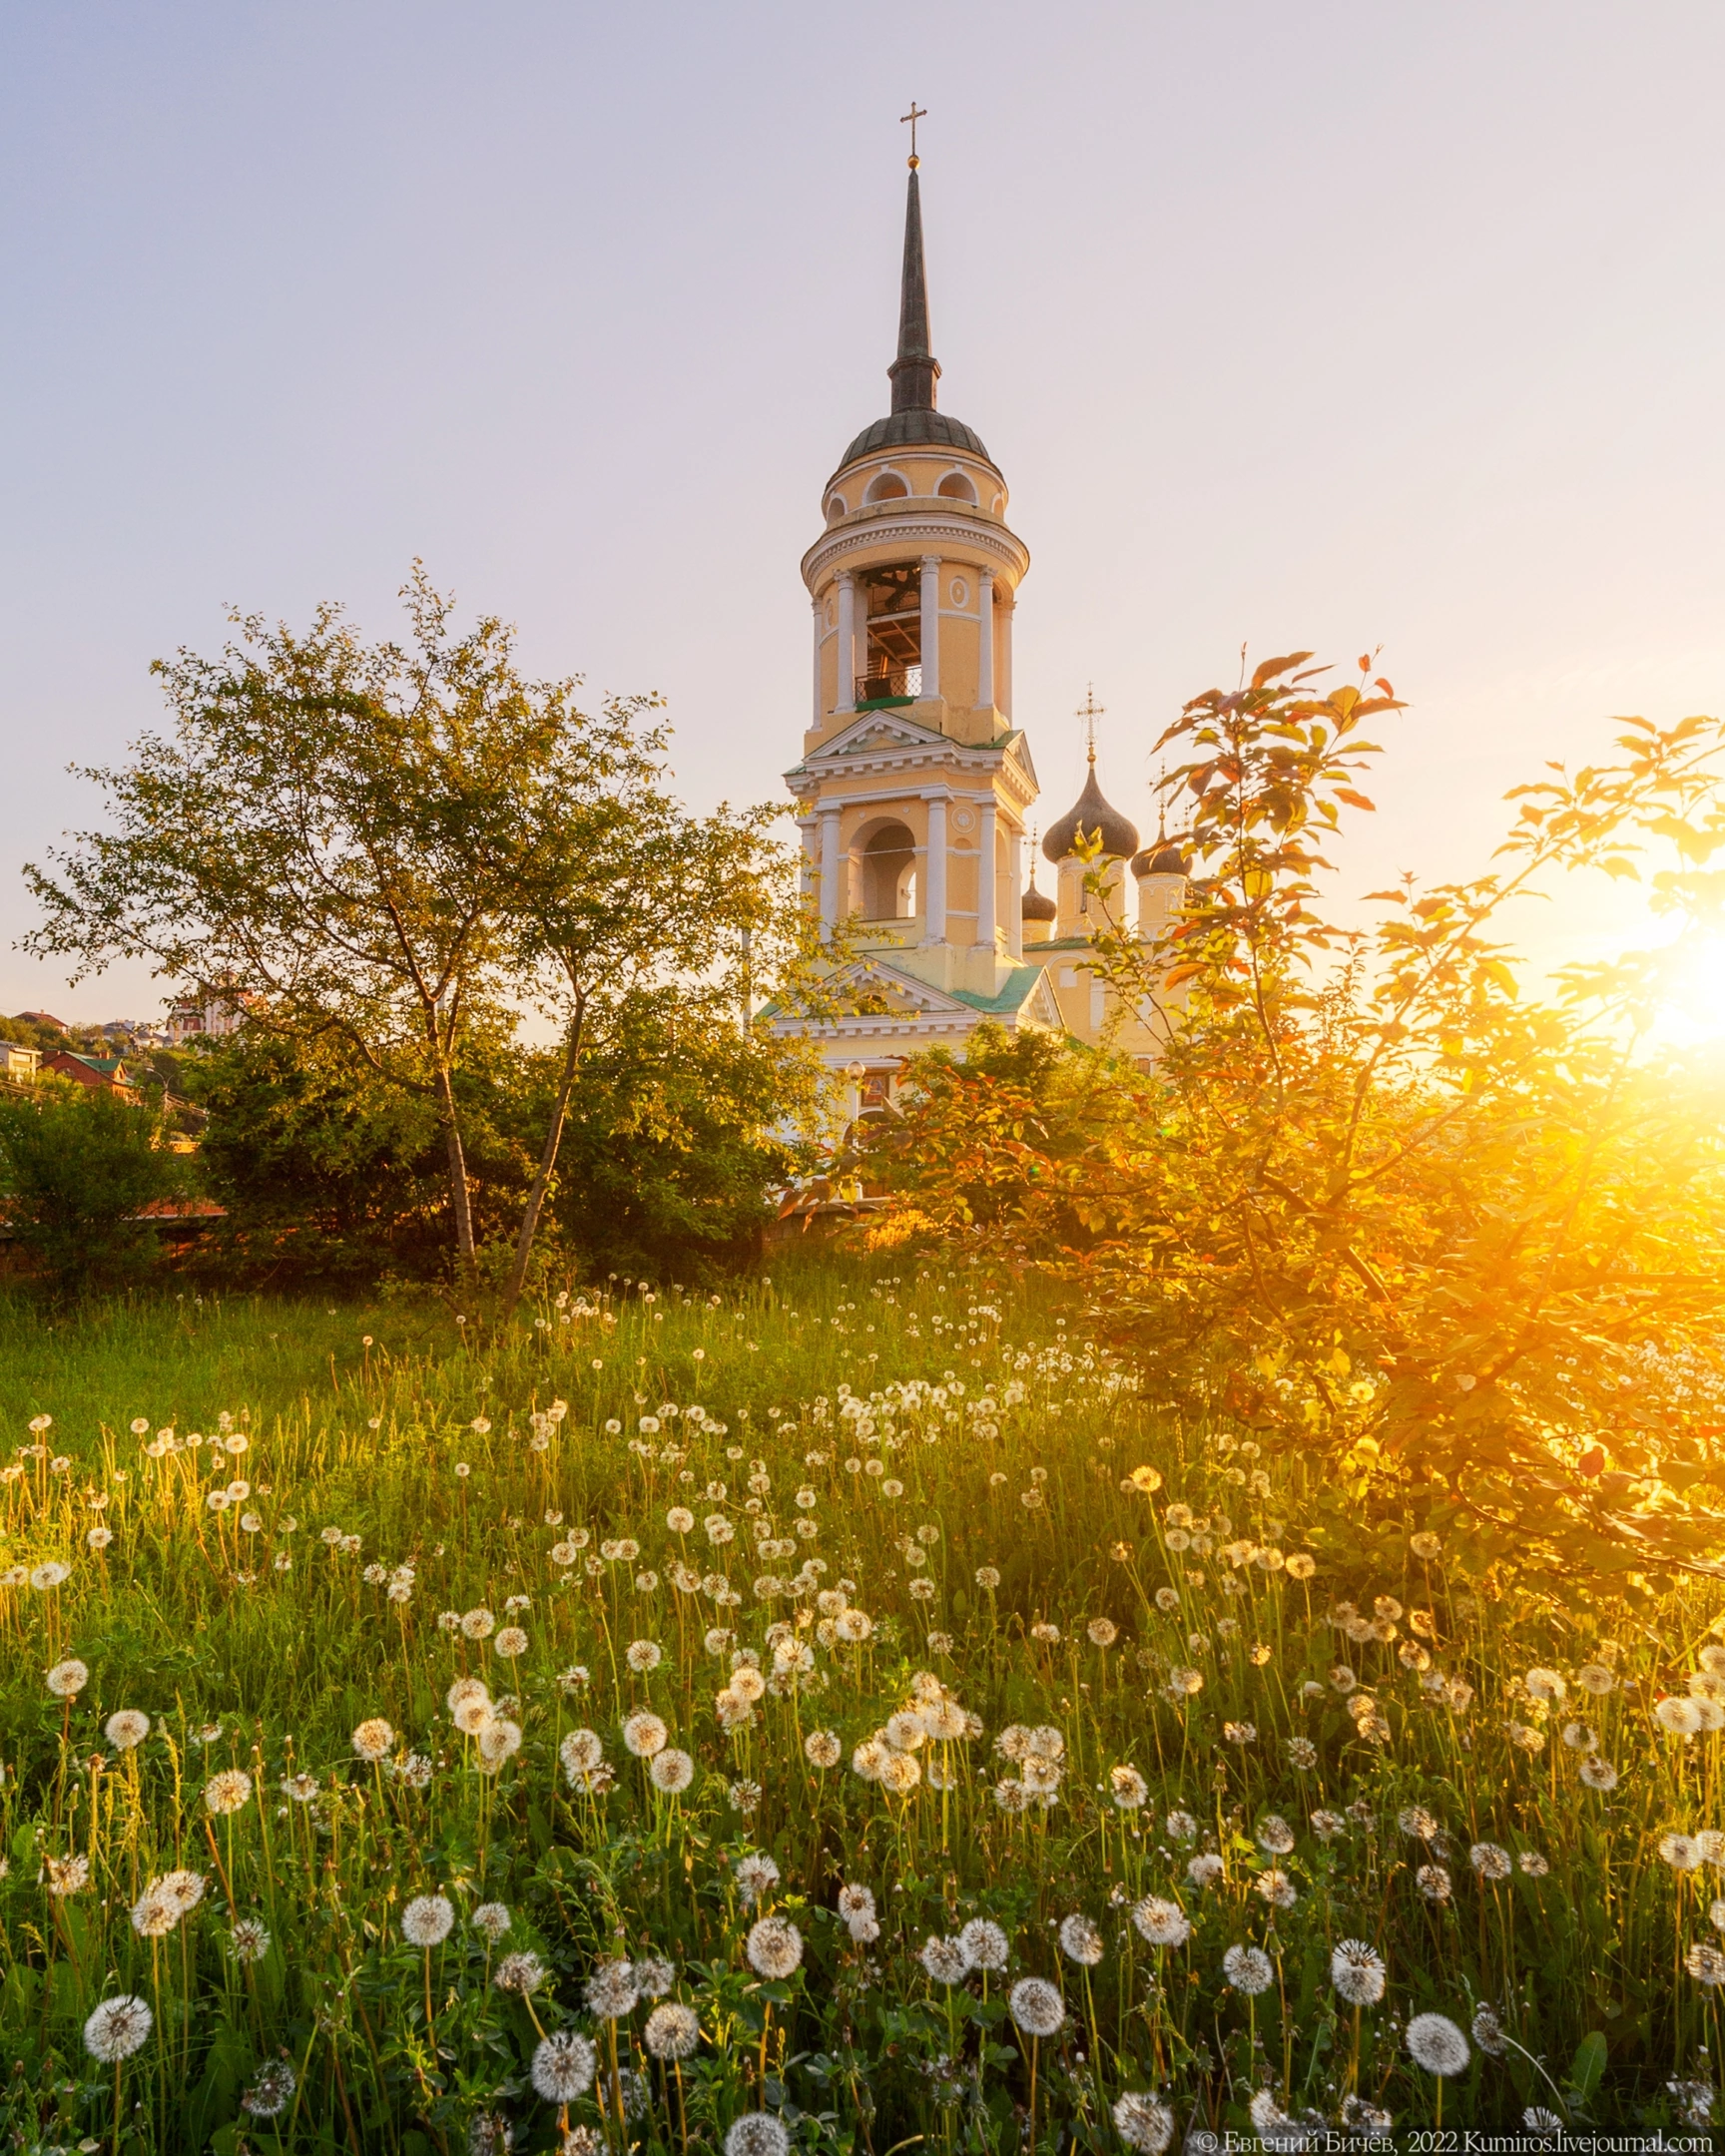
(1694, 1010)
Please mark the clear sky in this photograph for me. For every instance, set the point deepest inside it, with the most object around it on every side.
(1333, 326)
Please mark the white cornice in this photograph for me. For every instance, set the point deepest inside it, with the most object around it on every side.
(916, 530)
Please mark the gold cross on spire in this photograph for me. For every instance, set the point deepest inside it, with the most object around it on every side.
(1090, 710)
(916, 112)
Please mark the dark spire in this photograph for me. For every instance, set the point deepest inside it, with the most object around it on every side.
(916, 370)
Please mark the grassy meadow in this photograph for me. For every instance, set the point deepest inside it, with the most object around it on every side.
(846, 1713)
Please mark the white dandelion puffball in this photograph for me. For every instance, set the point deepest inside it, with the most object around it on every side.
(1706, 1965)
(671, 1771)
(510, 1642)
(1434, 2042)
(499, 1740)
(985, 1944)
(1163, 1923)
(492, 1918)
(67, 1679)
(52, 1574)
(117, 2028)
(580, 1751)
(673, 2030)
(1127, 1787)
(1036, 2006)
(1248, 1970)
(520, 1973)
(1489, 1861)
(611, 1991)
(428, 1920)
(126, 1730)
(757, 1876)
(248, 1942)
(823, 1748)
(1680, 1851)
(945, 1961)
(563, 2067)
(1205, 1868)
(856, 1901)
(1143, 2123)
(643, 1734)
(775, 1948)
(1682, 1717)
(227, 1791)
(1080, 1941)
(1598, 1773)
(643, 1655)
(756, 2133)
(373, 1740)
(1357, 1971)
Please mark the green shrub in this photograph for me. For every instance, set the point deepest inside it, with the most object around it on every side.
(78, 1173)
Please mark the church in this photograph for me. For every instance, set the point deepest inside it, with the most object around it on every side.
(915, 788)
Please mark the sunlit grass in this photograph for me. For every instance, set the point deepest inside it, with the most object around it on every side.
(1174, 1751)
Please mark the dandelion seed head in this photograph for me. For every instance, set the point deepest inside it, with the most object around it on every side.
(775, 1948)
(673, 2030)
(428, 1920)
(563, 2067)
(1435, 2044)
(1143, 2122)
(1357, 1971)
(118, 2029)
(1248, 1970)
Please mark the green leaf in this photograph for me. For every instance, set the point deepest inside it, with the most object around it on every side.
(1587, 2067)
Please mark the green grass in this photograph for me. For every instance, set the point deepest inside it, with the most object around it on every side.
(261, 1649)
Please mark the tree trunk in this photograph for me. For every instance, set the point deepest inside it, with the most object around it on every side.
(547, 1164)
(457, 1173)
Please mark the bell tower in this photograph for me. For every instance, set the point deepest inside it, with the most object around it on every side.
(914, 783)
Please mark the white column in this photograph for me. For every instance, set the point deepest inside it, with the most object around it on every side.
(985, 639)
(1015, 918)
(930, 625)
(935, 905)
(830, 867)
(1003, 693)
(820, 612)
(847, 698)
(806, 869)
(985, 879)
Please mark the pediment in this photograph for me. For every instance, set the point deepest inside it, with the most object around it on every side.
(871, 989)
(1040, 1006)
(1018, 752)
(877, 734)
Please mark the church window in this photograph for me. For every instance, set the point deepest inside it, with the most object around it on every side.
(885, 486)
(836, 506)
(957, 486)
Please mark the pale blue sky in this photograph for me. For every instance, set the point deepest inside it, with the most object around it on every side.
(1331, 325)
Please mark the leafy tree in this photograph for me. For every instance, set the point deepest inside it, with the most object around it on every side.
(384, 847)
(1460, 1244)
(79, 1172)
(330, 1174)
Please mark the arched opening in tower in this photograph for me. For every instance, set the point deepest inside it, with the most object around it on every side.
(889, 874)
(894, 664)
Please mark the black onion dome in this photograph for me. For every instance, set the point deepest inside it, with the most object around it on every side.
(1094, 817)
(1163, 858)
(1037, 906)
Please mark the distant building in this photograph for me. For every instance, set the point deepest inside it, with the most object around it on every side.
(100, 1074)
(213, 1014)
(46, 1018)
(20, 1065)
